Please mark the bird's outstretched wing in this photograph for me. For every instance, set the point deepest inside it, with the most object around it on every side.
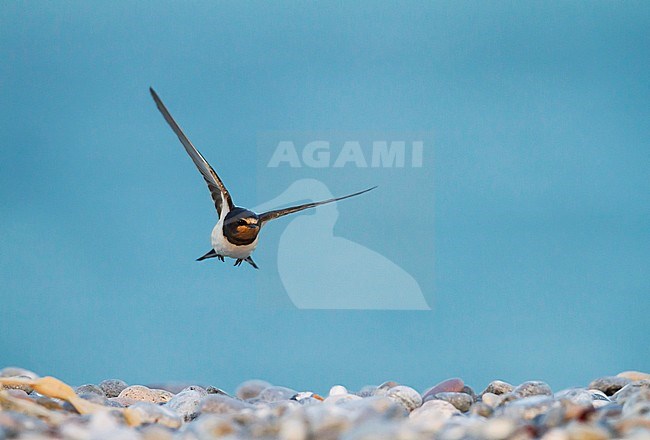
(272, 215)
(217, 189)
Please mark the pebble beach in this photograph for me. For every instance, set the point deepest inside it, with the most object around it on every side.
(36, 407)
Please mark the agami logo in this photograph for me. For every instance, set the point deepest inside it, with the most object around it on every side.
(321, 262)
(322, 154)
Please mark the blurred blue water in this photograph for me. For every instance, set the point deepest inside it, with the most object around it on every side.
(540, 179)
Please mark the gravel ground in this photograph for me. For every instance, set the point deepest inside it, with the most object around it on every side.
(34, 407)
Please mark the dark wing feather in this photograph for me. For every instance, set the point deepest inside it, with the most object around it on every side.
(215, 185)
(272, 215)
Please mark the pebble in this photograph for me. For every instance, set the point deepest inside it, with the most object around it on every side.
(461, 401)
(609, 384)
(145, 394)
(481, 409)
(26, 388)
(454, 385)
(527, 408)
(533, 388)
(634, 375)
(214, 390)
(307, 398)
(338, 390)
(577, 396)
(112, 387)
(498, 387)
(18, 372)
(88, 389)
(405, 396)
(251, 388)
(432, 416)
(186, 403)
(220, 404)
(629, 390)
(275, 393)
(469, 391)
(146, 412)
(340, 398)
(491, 399)
(390, 411)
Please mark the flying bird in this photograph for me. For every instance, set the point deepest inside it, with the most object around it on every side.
(237, 232)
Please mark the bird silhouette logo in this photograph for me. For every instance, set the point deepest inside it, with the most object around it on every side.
(334, 272)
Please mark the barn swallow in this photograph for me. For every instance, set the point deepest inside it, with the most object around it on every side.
(236, 233)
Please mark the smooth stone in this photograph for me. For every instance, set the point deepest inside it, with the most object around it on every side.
(436, 409)
(577, 396)
(340, 398)
(527, 408)
(147, 412)
(112, 387)
(382, 389)
(637, 404)
(220, 404)
(186, 403)
(275, 393)
(202, 391)
(18, 372)
(215, 390)
(608, 412)
(454, 385)
(481, 409)
(629, 390)
(375, 408)
(609, 384)
(46, 402)
(533, 388)
(381, 430)
(307, 398)
(634, 375)
(469, 391)
(405, 396)
(22, 387)
(91, 397)
(251, 388)
(491, 399)
(598, 395)
(156, 432)
(498, 387)
(498, 428)
(20, 394)
(293, 428)
(557, 416)
(338, 390)
(211, 426)
(583, 431)
(122, 402)
(172, 387)
(88, 389)
(366, 391)
(461, 401)
(13, 424)
(145, 394)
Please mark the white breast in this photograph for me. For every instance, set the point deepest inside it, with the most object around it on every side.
(223, 247)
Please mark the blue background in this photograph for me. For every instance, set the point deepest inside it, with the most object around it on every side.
(540, 177)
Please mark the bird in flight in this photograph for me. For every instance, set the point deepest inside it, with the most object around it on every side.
(237, 231)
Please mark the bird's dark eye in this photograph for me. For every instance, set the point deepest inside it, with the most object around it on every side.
(241, 221)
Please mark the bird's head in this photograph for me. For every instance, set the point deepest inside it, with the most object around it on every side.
(241, 226)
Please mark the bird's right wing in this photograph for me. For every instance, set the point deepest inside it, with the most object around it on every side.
(272, 215)
(217, 189)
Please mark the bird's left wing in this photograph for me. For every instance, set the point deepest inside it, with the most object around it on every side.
(272, 215)
(217, 189)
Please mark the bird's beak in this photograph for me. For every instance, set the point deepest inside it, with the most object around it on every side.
(253, 226)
